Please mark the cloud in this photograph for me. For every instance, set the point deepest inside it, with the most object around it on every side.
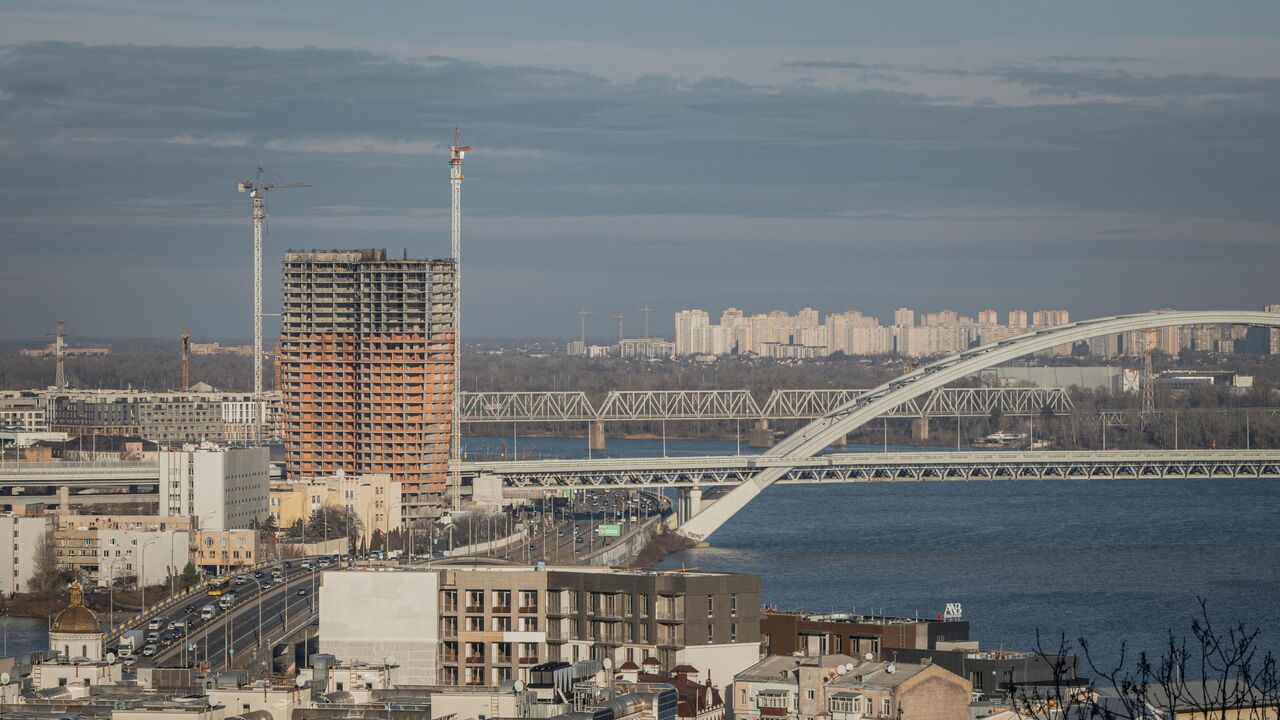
(223, 140)
(708, 188)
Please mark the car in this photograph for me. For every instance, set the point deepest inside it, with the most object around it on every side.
(288, 563)
(154, 624)
(240, 579)
(129, 661)
(302, 592)
(259, 574)
(267, 585)
(149, 650)
(306, 565)
(153, 636)
(171, 626)
(191, 608)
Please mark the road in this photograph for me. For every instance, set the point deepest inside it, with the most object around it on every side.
(235, 632)
(563, 532)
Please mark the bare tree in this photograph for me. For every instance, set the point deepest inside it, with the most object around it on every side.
(47, 580)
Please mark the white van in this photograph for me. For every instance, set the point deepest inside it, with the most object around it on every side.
(208, 611)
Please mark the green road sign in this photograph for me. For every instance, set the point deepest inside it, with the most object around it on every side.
(609, 530)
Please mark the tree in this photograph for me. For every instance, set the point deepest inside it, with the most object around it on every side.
(996, 419)
(190, 576)
(47, 580)
(1214, 675)
(376, 542)
(330, 522)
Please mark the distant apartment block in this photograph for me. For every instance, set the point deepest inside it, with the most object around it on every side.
(367, 363)
(804, 335)
(194, 415)
(23, 535)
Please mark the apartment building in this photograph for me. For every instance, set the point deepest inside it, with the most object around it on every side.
(219, 551)
(840, 687)
(785, 633)
(22, 412)
(481, 625)
(105, 547)
(198, 414)
(20, 539)
(374, 499)
(223, 487)
(367, 359)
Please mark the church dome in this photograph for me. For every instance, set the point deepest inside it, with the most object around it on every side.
(76, 618)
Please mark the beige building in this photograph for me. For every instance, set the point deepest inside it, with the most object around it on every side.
(839, 687)
(374, 498)
(102, 547)
(217, 551)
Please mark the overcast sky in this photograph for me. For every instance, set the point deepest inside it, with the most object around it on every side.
(1099, 156)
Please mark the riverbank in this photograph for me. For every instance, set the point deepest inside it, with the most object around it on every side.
(660, 546)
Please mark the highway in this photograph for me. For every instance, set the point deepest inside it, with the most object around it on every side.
(561, 535)
(234, 633)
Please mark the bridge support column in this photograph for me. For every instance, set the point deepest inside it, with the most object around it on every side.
(843, 441)
(64, 498)
(759, 436)
(690, 503)
(920, 429)
(595, 435)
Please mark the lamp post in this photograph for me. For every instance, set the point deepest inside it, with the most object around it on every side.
(260, 591)
(142, 571)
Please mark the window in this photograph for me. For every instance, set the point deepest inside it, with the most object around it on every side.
(733, 604)
(810, 694)
(885, 707)
(711, 633)
(711, 605)
(733, 632)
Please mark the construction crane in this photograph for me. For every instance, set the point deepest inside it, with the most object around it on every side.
(186, 359)
(619, 317)
(646, 310)
(258, 199)
(457, 151)
(59, 356)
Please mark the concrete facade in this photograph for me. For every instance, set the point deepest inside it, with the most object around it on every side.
(151, 556)
(225, 488)
(21, 537)
(367, 359)
(380, 617)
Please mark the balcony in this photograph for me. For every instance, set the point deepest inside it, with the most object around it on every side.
(528, 661)
(528, 609)
(477, 609)
(502, 609)
(475, 659)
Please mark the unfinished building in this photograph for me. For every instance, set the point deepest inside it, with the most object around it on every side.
(367, 363)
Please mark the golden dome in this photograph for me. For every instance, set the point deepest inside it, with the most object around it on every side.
(76, 618)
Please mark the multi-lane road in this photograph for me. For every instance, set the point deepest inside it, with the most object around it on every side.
(561, 534)
(288, 605)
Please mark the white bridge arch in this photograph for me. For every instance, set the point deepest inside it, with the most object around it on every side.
(819, 434)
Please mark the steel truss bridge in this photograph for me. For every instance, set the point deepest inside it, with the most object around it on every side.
(734, 470)
(618, 406)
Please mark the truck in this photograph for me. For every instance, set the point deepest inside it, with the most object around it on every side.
(208, 612)
(227, 600)
(131, 642)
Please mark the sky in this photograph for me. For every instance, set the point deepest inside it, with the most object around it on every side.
(1096, 156)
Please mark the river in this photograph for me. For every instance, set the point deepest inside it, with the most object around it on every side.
(1105, 560)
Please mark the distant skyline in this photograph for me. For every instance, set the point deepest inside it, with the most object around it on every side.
(1098, 157)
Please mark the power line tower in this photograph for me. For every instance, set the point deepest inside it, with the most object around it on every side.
(646, 310)
(59, 356)
(186, 358)
(582, 316)
(258, 200)
(457, 152)
(619, 317)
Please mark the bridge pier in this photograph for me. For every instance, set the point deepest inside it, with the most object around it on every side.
(595, 435)
(920, 429)
(760, 436)
(841, 442)
(690, 503)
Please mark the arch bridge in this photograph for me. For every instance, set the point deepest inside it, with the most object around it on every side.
(848, 417)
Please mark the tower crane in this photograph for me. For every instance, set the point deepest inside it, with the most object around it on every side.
(258, 199)
(457, 151)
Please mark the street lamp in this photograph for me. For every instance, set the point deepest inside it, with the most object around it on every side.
(142, 571)
(260, 591)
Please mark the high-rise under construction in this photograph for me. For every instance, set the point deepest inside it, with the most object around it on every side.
(367, 362)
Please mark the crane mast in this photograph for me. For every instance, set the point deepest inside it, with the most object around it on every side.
(457, 152)
(258, 200)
